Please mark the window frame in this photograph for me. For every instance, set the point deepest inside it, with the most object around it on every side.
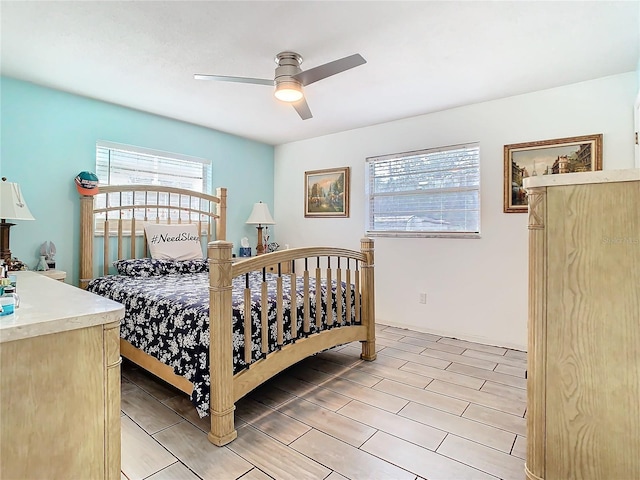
(370, 197)
(206, 178)
(206, 169)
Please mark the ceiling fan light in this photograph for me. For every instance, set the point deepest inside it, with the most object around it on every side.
(288, 92)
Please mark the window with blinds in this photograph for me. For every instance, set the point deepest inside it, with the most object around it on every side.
(118, 164)
(127, 165)
(433, 192)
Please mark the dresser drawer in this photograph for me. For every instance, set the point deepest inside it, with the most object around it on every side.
(285, 267)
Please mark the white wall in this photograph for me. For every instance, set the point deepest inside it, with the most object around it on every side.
(476, 288)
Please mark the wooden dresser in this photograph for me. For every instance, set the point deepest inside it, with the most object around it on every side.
(583, 414)
(59, 383)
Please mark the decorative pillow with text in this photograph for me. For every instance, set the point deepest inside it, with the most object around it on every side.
(174, 242)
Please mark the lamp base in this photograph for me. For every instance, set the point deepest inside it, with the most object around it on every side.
(5, 253)
(260, 246)
(12, 263)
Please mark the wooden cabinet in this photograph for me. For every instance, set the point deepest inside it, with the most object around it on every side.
(583, 414)
(60, 384)
(285, 267)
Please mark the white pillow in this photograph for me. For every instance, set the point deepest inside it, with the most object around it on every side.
(174, 242)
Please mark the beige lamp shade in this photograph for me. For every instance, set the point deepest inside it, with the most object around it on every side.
(12, 207)
(12, 204)
(260, 215)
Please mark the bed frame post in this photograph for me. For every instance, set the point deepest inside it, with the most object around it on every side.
(221, 349)
(86, 240)
(368, 301)
(221, 221)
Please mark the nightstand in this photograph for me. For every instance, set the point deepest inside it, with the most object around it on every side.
(55, 274)
(285, 267)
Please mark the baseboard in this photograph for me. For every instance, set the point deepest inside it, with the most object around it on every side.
(468, 338)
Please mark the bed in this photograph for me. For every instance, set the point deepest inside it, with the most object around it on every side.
(218, 327)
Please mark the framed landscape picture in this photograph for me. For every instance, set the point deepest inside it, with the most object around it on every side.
(546, 157)
(326, 193)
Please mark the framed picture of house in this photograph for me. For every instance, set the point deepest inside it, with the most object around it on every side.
(326, 193)
(546, 157)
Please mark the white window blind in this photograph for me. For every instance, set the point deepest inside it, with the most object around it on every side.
(118, 164)
(127, 165)
(424, 193)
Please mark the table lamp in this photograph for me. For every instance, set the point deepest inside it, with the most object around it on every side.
(260, 216)
(12, 207)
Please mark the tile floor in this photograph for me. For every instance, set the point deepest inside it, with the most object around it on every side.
(428, 408)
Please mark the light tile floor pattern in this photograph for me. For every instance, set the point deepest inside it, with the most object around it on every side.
(429, 407)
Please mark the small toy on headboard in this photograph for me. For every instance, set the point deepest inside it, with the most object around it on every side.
(48, 249)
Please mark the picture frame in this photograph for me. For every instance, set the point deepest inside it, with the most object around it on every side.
(546, 157)
(326, 193)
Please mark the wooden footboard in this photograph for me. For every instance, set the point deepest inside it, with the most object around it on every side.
(349, 269)
(117, 215)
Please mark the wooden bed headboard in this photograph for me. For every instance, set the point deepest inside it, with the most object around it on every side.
(120, 211)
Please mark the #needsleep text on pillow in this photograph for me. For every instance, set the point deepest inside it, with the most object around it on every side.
(183, 237)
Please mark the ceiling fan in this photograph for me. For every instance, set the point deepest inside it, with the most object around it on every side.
(290, 78)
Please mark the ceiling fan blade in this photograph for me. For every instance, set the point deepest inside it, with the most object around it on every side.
(302, 108)
(323, 71)
(222, 78)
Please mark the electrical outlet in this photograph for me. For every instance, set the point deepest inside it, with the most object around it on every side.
(423, 298)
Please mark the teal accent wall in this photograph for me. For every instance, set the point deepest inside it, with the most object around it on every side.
(49, 136)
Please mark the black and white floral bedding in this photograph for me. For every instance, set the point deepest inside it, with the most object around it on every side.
(167, 315)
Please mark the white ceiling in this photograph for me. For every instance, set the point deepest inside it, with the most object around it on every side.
(422, 56)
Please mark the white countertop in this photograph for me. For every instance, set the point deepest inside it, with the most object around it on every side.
(50, 306)
(600, 176)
